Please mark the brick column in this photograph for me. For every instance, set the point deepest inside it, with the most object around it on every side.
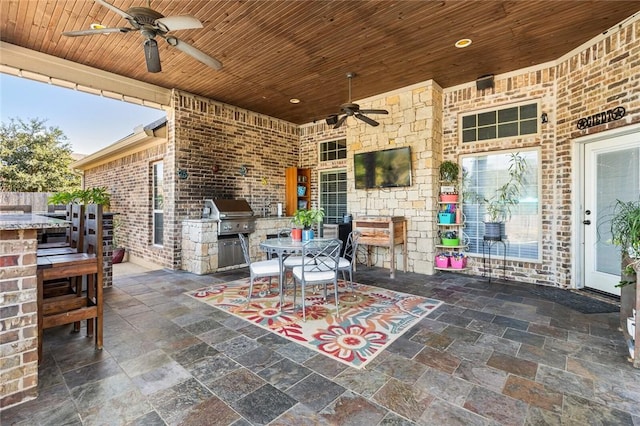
(107, 249)
(18, 317)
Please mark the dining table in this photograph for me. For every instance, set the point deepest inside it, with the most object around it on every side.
(282, 248)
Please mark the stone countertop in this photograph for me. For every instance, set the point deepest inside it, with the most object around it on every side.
(11, 222)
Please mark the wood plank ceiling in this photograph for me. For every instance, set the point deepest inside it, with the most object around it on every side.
(276, 50)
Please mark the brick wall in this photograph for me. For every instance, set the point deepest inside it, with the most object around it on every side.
(128, 179)
(598, 78)
(213, 141)
(18, 317)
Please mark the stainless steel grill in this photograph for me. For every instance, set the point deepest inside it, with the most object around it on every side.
(234, 217)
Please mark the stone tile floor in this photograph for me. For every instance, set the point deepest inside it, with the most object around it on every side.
(492, 354)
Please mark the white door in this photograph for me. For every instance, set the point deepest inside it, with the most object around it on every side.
(611, 172)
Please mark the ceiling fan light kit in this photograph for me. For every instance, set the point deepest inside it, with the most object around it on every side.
(152, 24)
(351, 109)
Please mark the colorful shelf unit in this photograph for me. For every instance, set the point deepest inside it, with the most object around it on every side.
(450, 252)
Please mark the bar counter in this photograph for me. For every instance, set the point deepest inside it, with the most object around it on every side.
(18, 304)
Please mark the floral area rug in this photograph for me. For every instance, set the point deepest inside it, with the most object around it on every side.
(368, 319)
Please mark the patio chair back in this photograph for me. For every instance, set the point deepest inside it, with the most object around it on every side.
(321, 267)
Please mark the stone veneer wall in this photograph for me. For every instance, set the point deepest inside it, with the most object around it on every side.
(212, 142)
(415, 120)
(18, 318)
(600, 77)
(200, 242)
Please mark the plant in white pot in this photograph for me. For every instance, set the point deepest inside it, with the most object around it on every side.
(306, 219)
(499, 204)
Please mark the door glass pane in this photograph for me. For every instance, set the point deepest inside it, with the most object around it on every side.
(617, 179)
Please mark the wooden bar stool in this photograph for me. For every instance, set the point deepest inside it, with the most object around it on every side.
(74, 244)
(79, 305)
(75, 234)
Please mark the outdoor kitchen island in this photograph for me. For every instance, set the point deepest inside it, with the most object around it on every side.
(200, 243)
(18, 284)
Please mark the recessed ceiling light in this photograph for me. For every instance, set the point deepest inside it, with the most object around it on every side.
(294, 100)
(464, 42)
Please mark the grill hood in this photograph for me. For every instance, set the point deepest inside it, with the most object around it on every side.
(227, 209)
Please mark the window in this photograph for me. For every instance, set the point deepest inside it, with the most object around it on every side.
(333, 150)
(500, 123)
(333, 195)
(483, 174)
(157, 203)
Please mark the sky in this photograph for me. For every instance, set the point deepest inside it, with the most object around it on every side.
(90, 122)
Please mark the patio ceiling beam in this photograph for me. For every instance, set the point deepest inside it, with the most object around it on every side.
(18, 61)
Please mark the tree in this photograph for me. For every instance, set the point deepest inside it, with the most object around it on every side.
(34, 158)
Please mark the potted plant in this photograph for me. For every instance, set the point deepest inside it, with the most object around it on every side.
(625, 233)
(306, 218)
(499, 204)
(449, 171)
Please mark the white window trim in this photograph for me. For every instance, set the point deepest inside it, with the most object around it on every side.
(332, 170)
(540, 220)
(153, 209)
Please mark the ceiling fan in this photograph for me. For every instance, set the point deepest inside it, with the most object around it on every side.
(353, 110)
(151, 24)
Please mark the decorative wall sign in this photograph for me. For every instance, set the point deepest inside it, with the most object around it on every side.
(602, 117)
(182, 174)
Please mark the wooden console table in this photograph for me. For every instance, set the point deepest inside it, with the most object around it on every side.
(383, 231)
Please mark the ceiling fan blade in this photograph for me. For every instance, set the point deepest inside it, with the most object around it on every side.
(374, 111)
(173, 23)
(340, 121)
(152, 56)
(195, 53)
(366, 119)
(96, 31)
(115, 9)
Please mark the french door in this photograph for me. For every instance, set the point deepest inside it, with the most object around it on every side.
(611, 173)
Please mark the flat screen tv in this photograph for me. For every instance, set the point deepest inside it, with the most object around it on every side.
(388, 168)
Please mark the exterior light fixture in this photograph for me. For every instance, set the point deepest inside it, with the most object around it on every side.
(544, 118)
(463, 42)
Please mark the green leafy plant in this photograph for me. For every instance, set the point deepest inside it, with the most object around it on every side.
(625, 233)
(98, 195)
(449, 171)
(498, 205)
(306, 218)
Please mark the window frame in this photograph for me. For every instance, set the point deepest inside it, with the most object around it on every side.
(497, 109)
(154, 210)
(496, 248)
(321, 152)
(321, 194)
